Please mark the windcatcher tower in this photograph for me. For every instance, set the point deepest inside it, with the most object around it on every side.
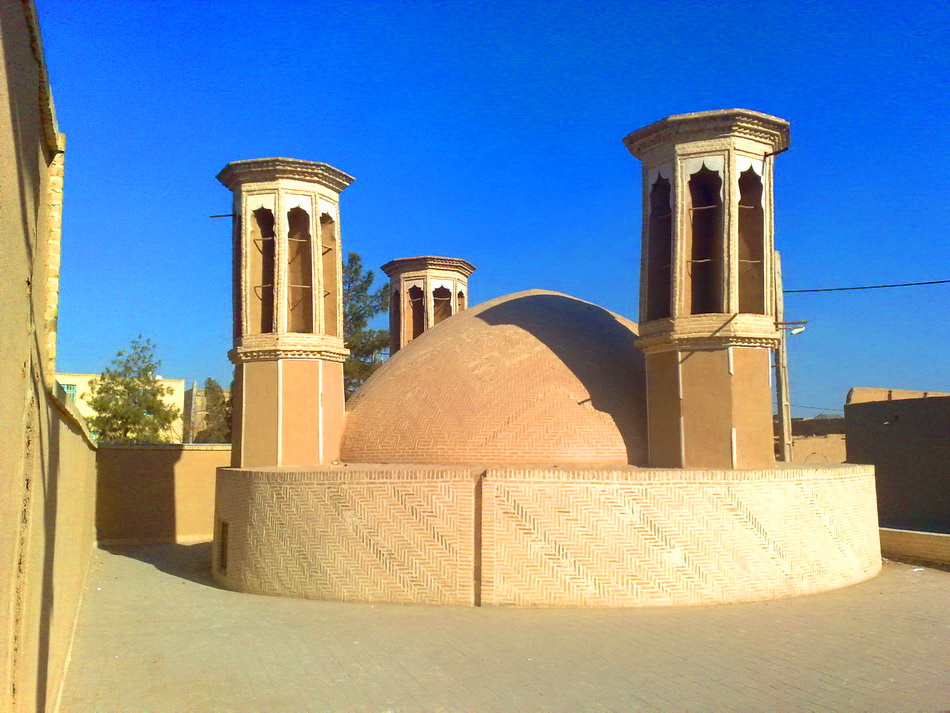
(288, 316)
(424, 291)
(708, 286)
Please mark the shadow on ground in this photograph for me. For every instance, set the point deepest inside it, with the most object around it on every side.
(190, 562)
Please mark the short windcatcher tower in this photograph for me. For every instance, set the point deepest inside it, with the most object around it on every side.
(288, 319)
(424, 291)
(708, 286)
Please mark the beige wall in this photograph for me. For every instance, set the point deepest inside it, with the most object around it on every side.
(819, 449)
(47, 461)
(906, 441)
(863, 394)
(157, 492)
(697, 399)
(174, 398)
(910, 546)
(545, 537)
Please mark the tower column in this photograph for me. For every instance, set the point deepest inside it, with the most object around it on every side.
(708, 285)
(424, 291)
(288, 320)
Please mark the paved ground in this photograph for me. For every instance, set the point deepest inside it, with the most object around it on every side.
(154, 635)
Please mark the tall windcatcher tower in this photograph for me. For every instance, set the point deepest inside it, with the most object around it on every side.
(708, 286)
(288, 312)
(424, 291)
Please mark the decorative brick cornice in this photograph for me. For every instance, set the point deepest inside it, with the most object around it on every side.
(708, 331)
(706, 125)
(428, 262)
(266, 170)
(239, 355)
(666, 343)
(267, 347)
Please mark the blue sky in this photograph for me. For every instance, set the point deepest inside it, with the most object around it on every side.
(492, 131)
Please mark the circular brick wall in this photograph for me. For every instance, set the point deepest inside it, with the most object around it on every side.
(534, 378)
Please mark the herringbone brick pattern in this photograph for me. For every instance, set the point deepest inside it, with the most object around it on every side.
(535, 378)
(393, 536)
(688, 537)
(547, 537)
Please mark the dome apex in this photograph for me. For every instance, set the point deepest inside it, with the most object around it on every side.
(534, 378)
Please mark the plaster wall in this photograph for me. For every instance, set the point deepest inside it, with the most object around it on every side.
(819, 449)
(863, 394)
(151, 493)
(906, 441)
(612, 537)
(710, 408)
(47, 461)
(907, 545)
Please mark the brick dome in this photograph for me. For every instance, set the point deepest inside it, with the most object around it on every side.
(534, 378)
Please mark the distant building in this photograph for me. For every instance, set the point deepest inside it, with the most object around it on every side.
(864, 394)
(76, 387)
(195, 411)
(819, 439)
(903, 434)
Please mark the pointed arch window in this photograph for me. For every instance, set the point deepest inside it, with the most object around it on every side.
(330, 266)
(704, 243)
(441, 304)
(261, 255)
(751, 243)
(395, 322)
(659, 251)
(417, 311)
(299, 272)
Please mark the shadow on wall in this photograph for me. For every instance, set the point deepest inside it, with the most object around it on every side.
(151, 492)
(135, 497)
(599, 349)
(61, 460)
(906, 442)
(50, 484)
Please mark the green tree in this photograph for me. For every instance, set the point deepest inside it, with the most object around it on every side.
(217, 421)
(360, 304)
(127, 398)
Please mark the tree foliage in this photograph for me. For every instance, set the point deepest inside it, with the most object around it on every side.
(127, 398)
(217, 422)
(360, 304)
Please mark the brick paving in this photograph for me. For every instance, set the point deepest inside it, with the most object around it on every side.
(155, 635)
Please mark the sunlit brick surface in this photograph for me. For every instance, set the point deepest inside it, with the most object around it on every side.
(535, 378)
(622, 537)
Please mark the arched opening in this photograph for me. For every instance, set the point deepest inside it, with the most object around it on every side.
(238, 309)
(441, 304)
(751, 243)
(659, 251)
(299, 272)
(260, 301)
(704, 237)
(417, 311)
(395, 322)
(330, 264)
(459, 302)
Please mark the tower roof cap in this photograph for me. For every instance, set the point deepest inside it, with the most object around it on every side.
(263, 170)
(710, 124)
(424, 262)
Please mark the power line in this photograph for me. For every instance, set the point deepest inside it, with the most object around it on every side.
(815, 408)
(871, 287)
(818, 408)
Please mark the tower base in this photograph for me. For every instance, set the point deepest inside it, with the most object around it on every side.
(287, 412)
(710, 408)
